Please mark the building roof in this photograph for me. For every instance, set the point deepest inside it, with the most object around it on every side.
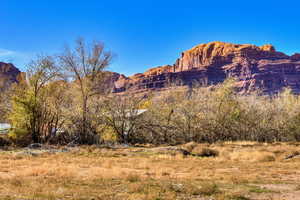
(4, 127)
(131, 113)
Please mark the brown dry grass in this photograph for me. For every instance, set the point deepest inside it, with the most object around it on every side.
(239, 172)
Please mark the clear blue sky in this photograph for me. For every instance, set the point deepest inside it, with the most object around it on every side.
(143, 33)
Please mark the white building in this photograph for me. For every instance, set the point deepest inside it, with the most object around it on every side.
(4, 128)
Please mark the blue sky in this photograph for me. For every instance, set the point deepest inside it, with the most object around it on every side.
(143, 33)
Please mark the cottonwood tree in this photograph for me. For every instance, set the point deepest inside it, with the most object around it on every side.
(84, 67)
(58, 101)
(30, 109)
(4, 105)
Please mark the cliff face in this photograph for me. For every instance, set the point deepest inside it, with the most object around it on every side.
(8, 74)
(207, 64)
(254, 68)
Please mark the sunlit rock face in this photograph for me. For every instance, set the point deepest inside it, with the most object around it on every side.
(254, 68)
(8, 74)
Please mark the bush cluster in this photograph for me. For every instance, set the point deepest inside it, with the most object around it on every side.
(221, 114)
(67, 99)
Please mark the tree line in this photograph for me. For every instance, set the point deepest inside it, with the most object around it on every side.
(65, 98)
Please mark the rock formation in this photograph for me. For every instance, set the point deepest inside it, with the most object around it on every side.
(8, 74)
(254, 68)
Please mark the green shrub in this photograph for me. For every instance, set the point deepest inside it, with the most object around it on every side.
(19, 136)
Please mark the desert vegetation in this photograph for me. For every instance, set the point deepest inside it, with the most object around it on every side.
(219, 171)
(83, 141)
(66, 98)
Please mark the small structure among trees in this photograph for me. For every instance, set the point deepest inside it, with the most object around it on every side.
(4, 128)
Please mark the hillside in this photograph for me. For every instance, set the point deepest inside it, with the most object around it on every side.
(8, 74)
(254, 67)
(206, 64)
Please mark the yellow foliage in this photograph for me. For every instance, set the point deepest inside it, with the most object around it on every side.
(109, 134)
(145, 104)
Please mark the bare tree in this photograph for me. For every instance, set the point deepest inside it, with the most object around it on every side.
(84, 67)
(57, 101)
(123, 115)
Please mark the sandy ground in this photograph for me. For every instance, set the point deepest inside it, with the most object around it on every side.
(237, 171)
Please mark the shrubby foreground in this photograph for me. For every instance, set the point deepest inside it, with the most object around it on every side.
(186, 143)
(65, 99)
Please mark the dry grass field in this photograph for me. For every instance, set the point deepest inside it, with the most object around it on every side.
(237, 171)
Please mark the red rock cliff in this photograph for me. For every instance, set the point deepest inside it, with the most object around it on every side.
(254, 67)
(8, 74)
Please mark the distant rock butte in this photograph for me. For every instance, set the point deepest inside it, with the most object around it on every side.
(253, 67)
(8, 74)
(206, 64)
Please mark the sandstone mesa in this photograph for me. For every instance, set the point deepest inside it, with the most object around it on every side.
(207, 64)
(252, 66)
